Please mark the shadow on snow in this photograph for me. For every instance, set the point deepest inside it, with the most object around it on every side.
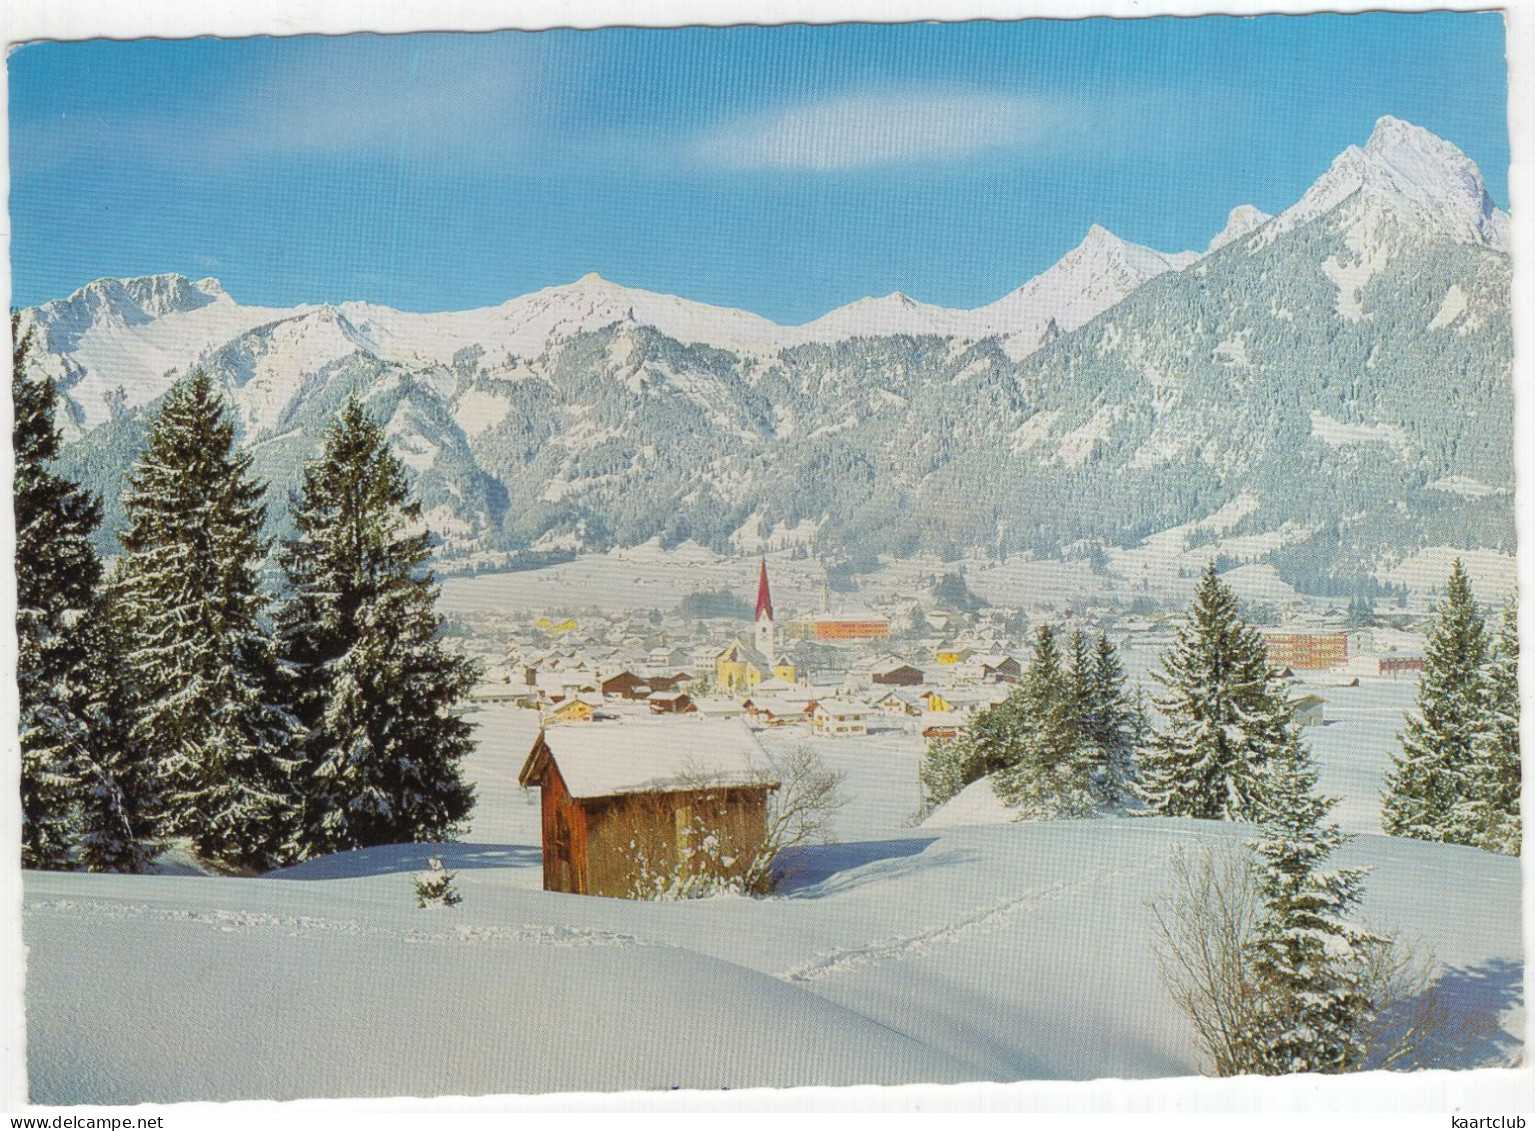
(811, 871)
(1467, 1005)
(389, 859)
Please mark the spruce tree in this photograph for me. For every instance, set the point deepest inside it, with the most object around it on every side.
(944, 771)
(373, 682)
(1490, 817)
(1308, 962)
(200, 663)
(87, 796)
(1050, 776)
(118, 793)
(57, 573)
(1107, 727)
(1435, 774)
(1226, 717)
(1077, 683)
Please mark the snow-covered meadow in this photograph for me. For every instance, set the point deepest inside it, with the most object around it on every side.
(947, 952)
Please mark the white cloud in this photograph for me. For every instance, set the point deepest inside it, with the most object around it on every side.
(349, 97)
(876, 129)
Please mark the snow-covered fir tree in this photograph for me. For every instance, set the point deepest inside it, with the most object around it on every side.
(1226, 716)
(993, 740)
(944, 771)
(434, 887)
(1436, 772)
(1051, 774)
(57, 572)
(1490, 817)
(119, 793)
(1107, 726)
(86, 796)
(201, 664)
(372, 680)
(1308, 961)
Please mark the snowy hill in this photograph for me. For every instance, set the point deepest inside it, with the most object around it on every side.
(1122, 393)
(970, 948)
(1012, 952)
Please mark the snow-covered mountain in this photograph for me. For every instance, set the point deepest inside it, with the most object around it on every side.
(882, 317)
(528, 325)
(1408, 178)
(1332, 367)
(1093, 276)
(117, 344)
(1099, 272)
(1244, 218)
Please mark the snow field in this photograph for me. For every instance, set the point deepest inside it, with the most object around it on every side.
(971, 948)
(1014, 951)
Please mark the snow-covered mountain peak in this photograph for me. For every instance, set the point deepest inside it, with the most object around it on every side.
(1102, 249)
(1082, 284)
(894, 313)
(1414, 176)
(1244, 218)
(1395, 139)
(212, 288)
(159, 295)
(126, 302)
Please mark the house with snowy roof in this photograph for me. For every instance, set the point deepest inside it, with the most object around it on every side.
(625, 801)
(896, 673)
(839, 718)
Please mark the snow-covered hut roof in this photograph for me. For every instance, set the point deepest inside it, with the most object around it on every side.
(842, 708)
(644, 757)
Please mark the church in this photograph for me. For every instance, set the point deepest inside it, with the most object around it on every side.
(742, 666)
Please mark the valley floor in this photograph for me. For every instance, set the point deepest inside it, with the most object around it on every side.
(928, 954)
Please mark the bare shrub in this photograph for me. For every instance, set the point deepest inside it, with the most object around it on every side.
(1205, 926)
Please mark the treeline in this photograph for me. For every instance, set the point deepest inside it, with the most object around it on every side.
(172, 697)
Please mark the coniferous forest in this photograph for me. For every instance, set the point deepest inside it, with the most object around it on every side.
(178, 696)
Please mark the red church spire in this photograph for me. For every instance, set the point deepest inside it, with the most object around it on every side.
(764, 599)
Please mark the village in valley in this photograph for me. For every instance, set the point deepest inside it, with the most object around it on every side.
(869, 679)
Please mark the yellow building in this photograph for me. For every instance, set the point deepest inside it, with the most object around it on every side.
(936, 702)
(740, 667)
(571, 711)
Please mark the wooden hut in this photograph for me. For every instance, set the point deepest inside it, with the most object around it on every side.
(621, 801)
(896, 675)
(1000, 668)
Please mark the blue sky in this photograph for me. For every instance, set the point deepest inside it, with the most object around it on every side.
(782, 170)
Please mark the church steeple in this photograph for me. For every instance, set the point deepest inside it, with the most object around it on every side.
(766, 642)
(764, 598)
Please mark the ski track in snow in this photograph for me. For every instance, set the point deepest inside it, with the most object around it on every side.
(844, 960)
(295, 926)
